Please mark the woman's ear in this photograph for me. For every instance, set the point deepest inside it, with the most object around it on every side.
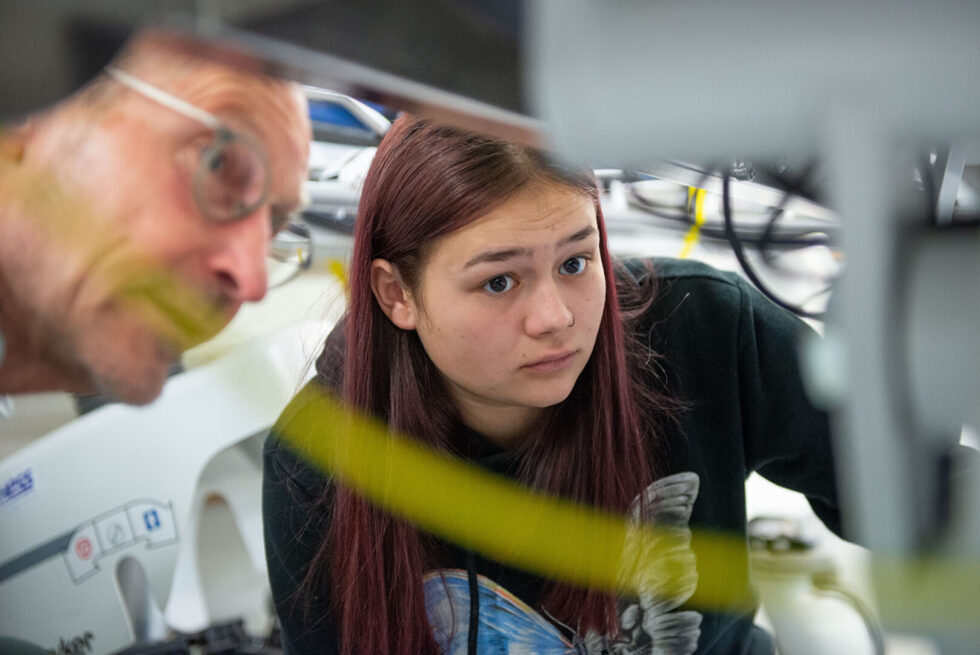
(396, 301)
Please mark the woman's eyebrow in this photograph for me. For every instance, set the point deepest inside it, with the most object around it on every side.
(499, 256)
(581, 235)
(491, 256)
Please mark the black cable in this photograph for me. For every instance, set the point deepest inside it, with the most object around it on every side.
(799, 239)
(743, 261)
(474, 626)
(762, 241)
(766, 239)
(797, 186)
(655, 210)
(801, 184)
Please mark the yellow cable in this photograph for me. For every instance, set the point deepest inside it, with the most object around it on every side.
(693, 234)
(339, 271)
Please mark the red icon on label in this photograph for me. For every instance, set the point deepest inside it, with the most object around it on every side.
(83, 548)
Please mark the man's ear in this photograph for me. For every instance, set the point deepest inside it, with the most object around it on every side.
(396, 301)
(14, 140)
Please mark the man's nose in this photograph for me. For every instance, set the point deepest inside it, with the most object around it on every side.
(547, 312)
(238, 259)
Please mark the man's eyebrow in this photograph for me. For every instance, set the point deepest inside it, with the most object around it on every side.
(509, 253)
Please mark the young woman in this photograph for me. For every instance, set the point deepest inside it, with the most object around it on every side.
(487, 320)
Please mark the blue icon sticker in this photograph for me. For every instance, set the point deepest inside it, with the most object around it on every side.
(151, 519)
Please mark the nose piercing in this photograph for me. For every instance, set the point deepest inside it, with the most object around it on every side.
(572, 324)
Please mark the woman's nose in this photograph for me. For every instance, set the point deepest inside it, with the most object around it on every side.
(547, 311)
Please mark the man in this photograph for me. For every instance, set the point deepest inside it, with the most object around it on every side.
(135, 215)
(134, 220)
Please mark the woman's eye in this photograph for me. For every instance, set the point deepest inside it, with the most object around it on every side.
(499, 284)
(574, 266)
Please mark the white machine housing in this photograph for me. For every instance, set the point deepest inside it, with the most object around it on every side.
(130, 522)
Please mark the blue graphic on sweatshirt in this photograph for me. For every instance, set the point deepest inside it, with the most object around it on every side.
(650, 624)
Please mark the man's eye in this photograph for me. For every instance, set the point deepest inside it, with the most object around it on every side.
(574, 266)
(499, 284)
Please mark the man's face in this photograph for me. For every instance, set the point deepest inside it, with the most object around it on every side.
(155, 275)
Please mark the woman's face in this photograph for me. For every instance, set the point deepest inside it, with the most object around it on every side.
(508, 307)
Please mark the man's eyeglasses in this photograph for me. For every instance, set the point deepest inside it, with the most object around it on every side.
(232, 181)
(290, 253)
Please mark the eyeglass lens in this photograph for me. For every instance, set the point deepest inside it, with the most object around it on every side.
(231, 181)
(290, 253)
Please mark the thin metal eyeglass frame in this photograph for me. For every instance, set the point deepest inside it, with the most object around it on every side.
(223, 134)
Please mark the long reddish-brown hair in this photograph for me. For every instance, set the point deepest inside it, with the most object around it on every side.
(427, 180)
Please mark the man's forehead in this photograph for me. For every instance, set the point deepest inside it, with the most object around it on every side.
(260, 102)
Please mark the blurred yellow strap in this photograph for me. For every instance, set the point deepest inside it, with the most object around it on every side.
(562, 540)
(460, 502)
(931, 593)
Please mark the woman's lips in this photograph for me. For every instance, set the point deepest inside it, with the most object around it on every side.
(551, 363)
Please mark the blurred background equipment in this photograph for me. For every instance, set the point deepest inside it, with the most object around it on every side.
(884, 99)
(458, 58)
(810, 610)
